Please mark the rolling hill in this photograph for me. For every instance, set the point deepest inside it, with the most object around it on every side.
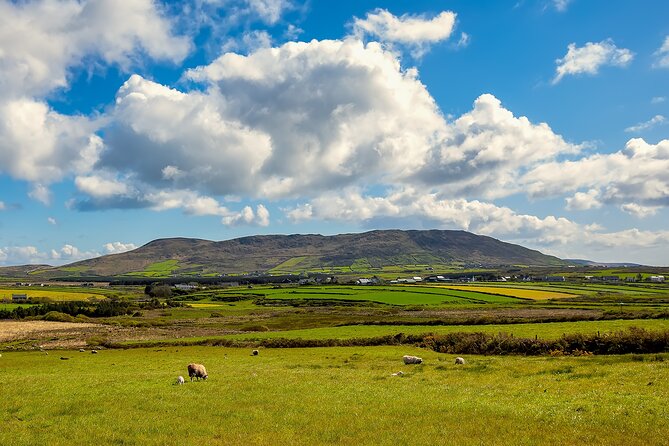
(379, 250)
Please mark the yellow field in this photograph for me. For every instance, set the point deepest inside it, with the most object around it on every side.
(6, 293)
(205, 305)
(511, 292)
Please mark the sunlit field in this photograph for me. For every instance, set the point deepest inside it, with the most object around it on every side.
(331, 396)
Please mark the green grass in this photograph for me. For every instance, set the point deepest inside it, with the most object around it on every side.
(549, 330)
(339, 396)
(158, 269)
(288, 266)
(392, 295)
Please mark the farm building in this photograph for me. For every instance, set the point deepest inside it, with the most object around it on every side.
(554, 279)
(19, 297)
(657, 279)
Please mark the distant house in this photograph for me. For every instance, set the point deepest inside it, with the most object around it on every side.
(363, 282)
(417, 279)
(19, 297)
(611, 278)
(185, 286)
(657, 279)
(554, 279)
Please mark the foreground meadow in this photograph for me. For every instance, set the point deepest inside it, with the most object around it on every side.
(340, 395)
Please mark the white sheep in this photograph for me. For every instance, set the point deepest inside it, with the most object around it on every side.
(459, 360)
(180, 380)
(255, 352)
(400, 373)
(95, 352)
(408, 359)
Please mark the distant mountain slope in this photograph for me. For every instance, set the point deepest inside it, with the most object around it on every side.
(21, 270)
(290, 253)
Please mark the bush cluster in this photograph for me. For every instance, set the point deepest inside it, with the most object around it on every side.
(633, 340)
(105, 308)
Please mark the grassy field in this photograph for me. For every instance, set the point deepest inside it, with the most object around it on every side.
(548, 330)
(51, 294)
(342, 396)
(392, 295)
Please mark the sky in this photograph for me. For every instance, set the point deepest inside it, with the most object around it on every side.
(538, 122)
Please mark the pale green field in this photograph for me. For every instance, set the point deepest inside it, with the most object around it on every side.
(338, 396)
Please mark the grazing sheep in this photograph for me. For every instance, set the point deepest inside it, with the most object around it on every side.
(82, 350)
(95, 352)
(64, 358)
(412, 359)
(400, 373)
(180, 380)
(459, 360)
(255, 352)
(198, 371)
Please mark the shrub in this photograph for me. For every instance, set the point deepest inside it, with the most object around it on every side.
(55, 316)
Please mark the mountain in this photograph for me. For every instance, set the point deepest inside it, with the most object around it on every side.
(277, 254)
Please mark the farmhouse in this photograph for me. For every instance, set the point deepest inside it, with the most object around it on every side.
(19, 297)
(554, 279)
(657, 279)
(185, 286)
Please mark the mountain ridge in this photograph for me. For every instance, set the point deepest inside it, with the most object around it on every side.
(367, 251)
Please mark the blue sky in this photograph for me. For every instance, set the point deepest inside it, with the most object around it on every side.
(539, 122)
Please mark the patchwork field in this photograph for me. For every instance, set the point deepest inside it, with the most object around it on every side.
(331, 396)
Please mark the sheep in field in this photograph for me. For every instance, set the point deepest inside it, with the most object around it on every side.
(180, 380)
(412, 359)
(197, 371)
(459, 360)
(255, 352)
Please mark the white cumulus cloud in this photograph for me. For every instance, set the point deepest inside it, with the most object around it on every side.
(584, 200)
(42, 44)
(118, 247)
(415, 31)
(590, 58)
(639, 211)
(638, 175)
